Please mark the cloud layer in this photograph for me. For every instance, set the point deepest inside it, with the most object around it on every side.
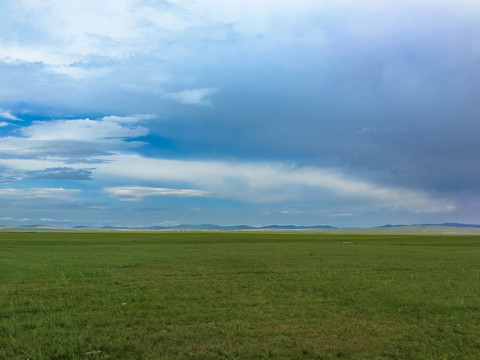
(70, 139)
(306, 111)
(137, 193)
(45, 148)
(38, 193)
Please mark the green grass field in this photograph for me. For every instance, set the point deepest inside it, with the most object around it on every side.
(238, 296)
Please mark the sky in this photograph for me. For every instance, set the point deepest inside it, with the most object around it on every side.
(310, 112)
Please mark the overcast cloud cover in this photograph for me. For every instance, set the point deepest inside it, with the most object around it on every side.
(144, 112)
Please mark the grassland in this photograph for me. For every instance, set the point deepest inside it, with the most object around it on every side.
(238, 296)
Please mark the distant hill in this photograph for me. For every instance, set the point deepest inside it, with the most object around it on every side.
(444, 228)
(457, 225)
(294, 227)
(238, 227)
(443, 224)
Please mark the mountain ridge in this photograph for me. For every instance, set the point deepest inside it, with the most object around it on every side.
(444, 228)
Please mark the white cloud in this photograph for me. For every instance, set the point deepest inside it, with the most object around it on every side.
(71, 30)
(39, 193)
(73, 138)
(29, 164)
(85, 129)
(63, 35)
(78, 72)
(137, 193)
(251, 17)
(291, 212)
(168, 223)
(17, 54)
(132, 119)
(342, 215)
(7, 218)
(193, 96)
(3, 123)
(247, 181)
(73, 143)
(56, 220)
(256, 182)
(268, 182)
(8, 116)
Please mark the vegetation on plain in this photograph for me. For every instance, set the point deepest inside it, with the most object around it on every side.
(234, 295)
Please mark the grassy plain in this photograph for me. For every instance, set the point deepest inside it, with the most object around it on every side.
(238, 296)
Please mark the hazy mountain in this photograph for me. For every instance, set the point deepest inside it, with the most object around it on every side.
(444, 228)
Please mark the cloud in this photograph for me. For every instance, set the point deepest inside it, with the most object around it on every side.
(291, 212)
(270, 182)
(60, 194)
(72, 39)
(41, 153)
(71, 31)
(79, 72)
(7, 218)
(137, 193)
(78, 138)
(56, 220)
(193, 96)
(111, 127)
(9, 175)
(267, 182)
(297, 79)
(82, 39)
(63, 173)
(8, 116)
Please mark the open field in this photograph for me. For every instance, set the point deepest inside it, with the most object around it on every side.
(83, 295)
